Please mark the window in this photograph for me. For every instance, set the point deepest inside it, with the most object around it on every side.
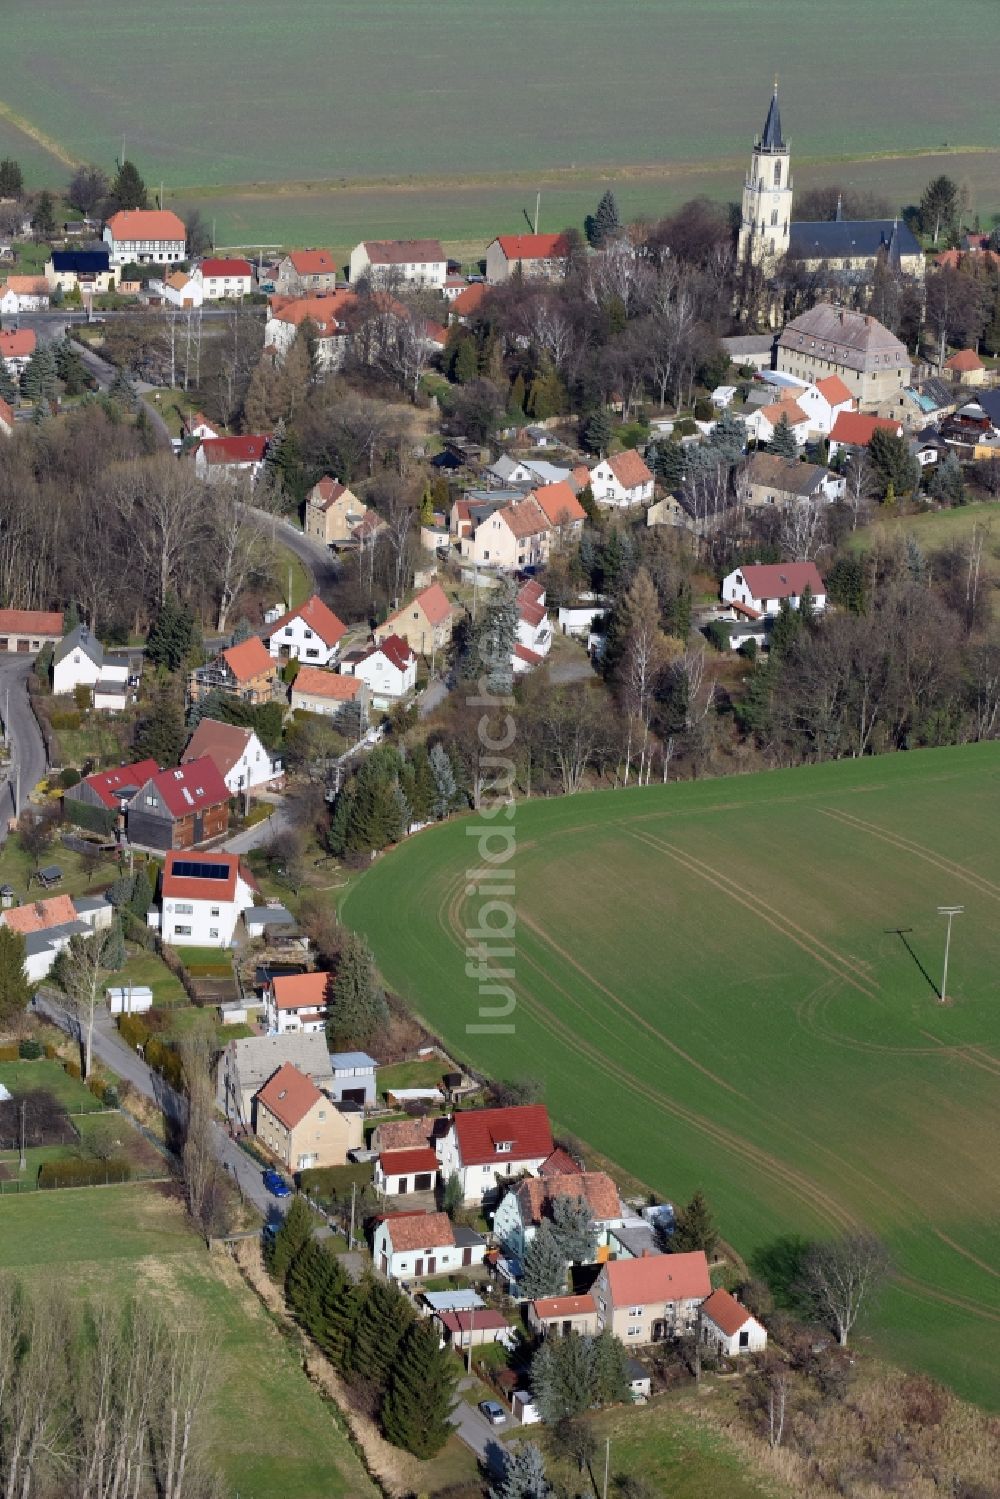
(213, 931)
(774, 218)
(635, 1311)
(183, 909)
(635, 1332)
(214, 911)
(182, 931)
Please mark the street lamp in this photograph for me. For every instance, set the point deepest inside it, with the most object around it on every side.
(951, 912)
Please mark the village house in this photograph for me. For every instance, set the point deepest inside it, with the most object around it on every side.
(245, 671)
(16, 348)
(225, 280)
(99, 801)
(24, 631)
(237, 754)
(622, 479)
(828, 340)
(181, 289)
(485, 1148)
(311, 633)
(178, 809)
(561, 509)
(389, 668)
(48, 925)
(245, 1066)
(853, 429)
(511, 538)
(196, 426)
(410, 1246)
(468, 301)
(533, 256)
(762, 588)
(201, 898)
(727, 1327)
(769, 479)
(354, 1078)
(473, 1327)
(384, 261)
(524, 1207)
(534, 632)
(296, 1002)
(90, 271)
(425, 623)
(651, 1299)
(23, 294)
(299, 1125)
(332, 512)
(327, 315)
(401, 1172)
(761, 421)
(145, 236)
(303, 272)
(333, 695)
(218, 458)
(966, 367)
(562, 1315)
(80, 660)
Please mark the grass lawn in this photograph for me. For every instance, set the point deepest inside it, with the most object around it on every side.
(147, 969)
(80, 876)
(267, 1428)
(200, 959)
(289, 566)
(711, 984)
(24, 1077)
(420, 1074)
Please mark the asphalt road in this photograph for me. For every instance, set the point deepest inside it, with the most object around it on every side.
(476, 1432)
(22, 732)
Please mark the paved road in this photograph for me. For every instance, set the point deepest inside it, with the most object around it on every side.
(261, 833)
(22, 732)
(316, 558)
(477, 1433)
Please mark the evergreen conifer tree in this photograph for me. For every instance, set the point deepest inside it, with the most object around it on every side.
(729, 436)
(523, 1474)
(142, 896)
(304, 1285)
(517, 396)
(465, 365)
(71, 617)
(417, 1409)
(43, 220)
(606, 222)
(573, 1230)
(610, 1382)
(161, 735)
(128, 189)
(493, 638)
(384, 1316)
(338, 1312)
(11, 178)
(293, 1235)
(39, 381)
(562, 1377)
(694, 1227)
(783, 442)
(15, 990)
(113, 956)
(544, 1269)
(8, 386)
(172, 636)
(598, 429)
(443, 775)
(359, 1009)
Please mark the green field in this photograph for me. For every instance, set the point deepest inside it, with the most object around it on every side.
(710, 982)
(432, 94)
(268, 1429)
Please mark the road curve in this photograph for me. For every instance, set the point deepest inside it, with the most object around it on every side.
(22, 732)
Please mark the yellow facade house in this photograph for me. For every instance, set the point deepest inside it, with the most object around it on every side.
(302, 1126)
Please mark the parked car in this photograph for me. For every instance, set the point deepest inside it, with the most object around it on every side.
(276, 1184)
(493, 1411)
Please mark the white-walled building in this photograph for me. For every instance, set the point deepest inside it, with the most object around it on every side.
(311, 633)
(237, 754)
(80, 660)
(760, 588)
(622, 479)
(145, 236)
(296, 1002)
(220, 458)
(484, 1148)
(225, 280)
(202, 896)
(420, 261)
(389, 668)
(23, 294)
(728, 1327)
(409, 1246)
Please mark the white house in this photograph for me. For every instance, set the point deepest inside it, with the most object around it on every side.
(821, 403)
(622, 480)
(296, 1002)
(728, 1327)
(23, 294)
(48, 925)
(311, 633)
(79, 660)
(523, 1208)
(389, 668)
(225, 280)
(237, 753)
(484, 1148)
(761, 421)
(421, 261)
(202, 896)
(179, 289)
(400, 1172)
(145, 236)
(762, 587)
(534, 632)
(409, 1246)
(217, 458)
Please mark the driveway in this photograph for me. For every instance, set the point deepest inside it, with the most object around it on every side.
(477, 1433)
(21, 727)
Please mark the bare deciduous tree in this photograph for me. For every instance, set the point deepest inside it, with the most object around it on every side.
(843, 1275)
(81, 973)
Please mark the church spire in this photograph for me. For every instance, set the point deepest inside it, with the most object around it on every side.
(772, 140)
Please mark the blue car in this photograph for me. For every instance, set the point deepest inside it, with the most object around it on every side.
(276, 1184)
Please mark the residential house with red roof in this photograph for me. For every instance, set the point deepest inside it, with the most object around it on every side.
(966, 367)
(760, 589)
(855, 429)
(247, 671)
(333, 695)
(237, 754)
(145, 236)
(48, 925)
(425, 623)
(561, 509)
(332, 511)
(651, 1299)
(305, 272)
(401, 1172)
(224, 280)
(761, 421)
(534, 632)
(383, 262)
(296, 1002)
(23, 294)
(300, 1125)
(411, 1246)
(533, 256)
(468, 301)
(328, 314)
(389, 667)
(24, 632)
(201, 897)
(511, 537)
(311, 633)
(485, 1148)
(100, 800)
(563, 1315)
(725, 1326)
(524, 1207)
(217, 458)
(473, 1327)
(16, 348)
(622, 479)
(178, 809)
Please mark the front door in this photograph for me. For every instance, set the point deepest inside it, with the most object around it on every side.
(418, 1268)
(404, 1182)
(22, 646)
(431, 1265)
(467, 1255)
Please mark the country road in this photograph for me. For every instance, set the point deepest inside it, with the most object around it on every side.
(28, 762)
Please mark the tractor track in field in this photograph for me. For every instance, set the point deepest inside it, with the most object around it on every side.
(957, 871)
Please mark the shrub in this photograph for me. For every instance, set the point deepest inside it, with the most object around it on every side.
(82, 1173)
(704, 411)
(50, 1051)
(72, 1069)
(29, 1051)
(10, 1052)
(96, 1086)
(68, 777)
(81, 696)
(66, 718)
(133, 1030)
(110, 1097)
(717, 635)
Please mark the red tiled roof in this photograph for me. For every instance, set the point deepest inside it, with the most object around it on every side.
(325, 309)
(289, 1095)
(726, 1312)
(369, 523)
(659, 1277)
(483, 1319)
(223, 743)
(407, 1162)
(533, 246)
(629, 469)
(40, 915)
(559, 503)
(469, 301)
(435, 333)
(396, 650)
(248, 659)
(536, 1195)
(964, 361)
(404, 1134)
(18, 344)
(146, 223)
(213, 267)
(315, 681)
(196, 887)
(834, 389)
(26, 286)
(525, 518)
(529, 657)
(31, 621)
(434, 603)
(109, 784)
(321, 620)
(250, 447)
(857, 430)
(6, 415)
(547, 1307)
(531, 592)
(744, 609)
(313, 262)
(559, 1163)
(526, 1128)
(532, 614)
(419, 1231)
(404, 251)
(786, 407)
(191, 788)
(780, 580)
(326, 491)
(293, 991)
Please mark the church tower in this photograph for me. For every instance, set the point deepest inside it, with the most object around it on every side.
(767, 194)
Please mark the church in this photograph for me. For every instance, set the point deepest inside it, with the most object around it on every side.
(850, 247)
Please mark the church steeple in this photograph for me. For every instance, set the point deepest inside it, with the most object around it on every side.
(767, 193)
(771, 140)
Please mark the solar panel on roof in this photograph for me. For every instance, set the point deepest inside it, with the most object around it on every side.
(188, 869)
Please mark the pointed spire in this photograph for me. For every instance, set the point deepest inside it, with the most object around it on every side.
(839, 215)
(772, 140)
(893, 256)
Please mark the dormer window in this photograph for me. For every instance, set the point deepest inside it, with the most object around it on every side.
(504, 1147)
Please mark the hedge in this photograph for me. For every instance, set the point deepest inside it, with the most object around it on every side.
(91, 819)
(53, 1174)
(29, 1051)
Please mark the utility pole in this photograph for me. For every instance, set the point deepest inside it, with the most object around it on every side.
(350, 1236)
(607, 1466)
(468, 1351)
(951, 912)
(23, 1162)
